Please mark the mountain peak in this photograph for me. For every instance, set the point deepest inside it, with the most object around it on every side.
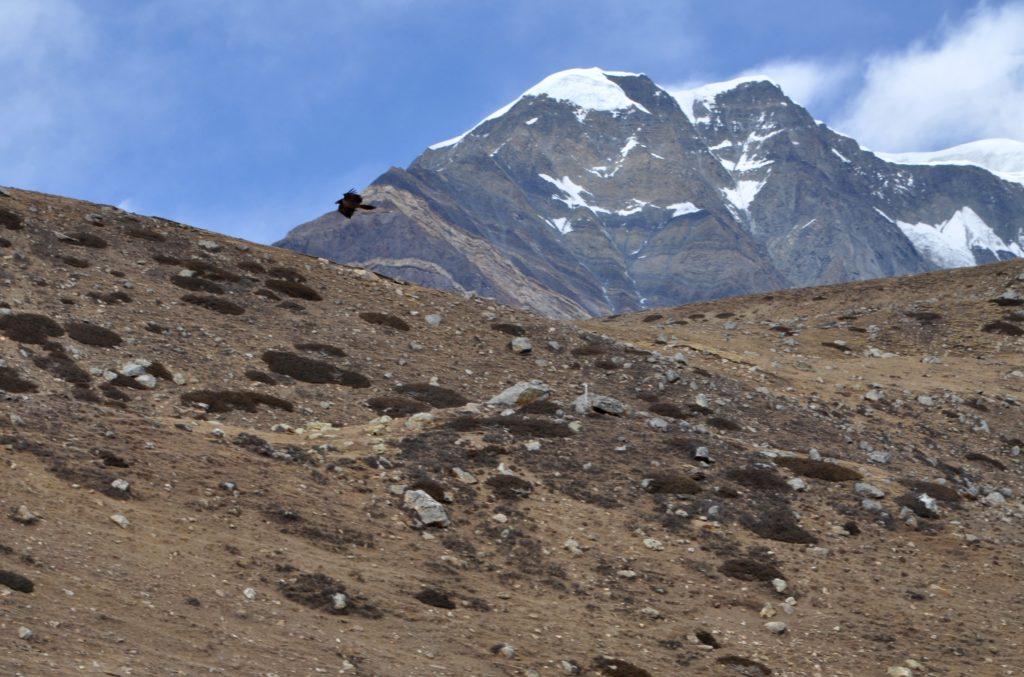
(589, 89)
(706, 94)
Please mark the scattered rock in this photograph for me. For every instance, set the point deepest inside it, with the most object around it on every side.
(429, 511)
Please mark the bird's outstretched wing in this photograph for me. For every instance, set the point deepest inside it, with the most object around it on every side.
(351, 201)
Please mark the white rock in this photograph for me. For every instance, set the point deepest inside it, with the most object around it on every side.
(464, 476)
(419, 420)
(521, 393)
(24, 633)
(147, 381)
(339, 601)
(869, 490)
(573, 546)
(797, 484)
(120, 520)
(25, 516)
(588, 402)
(433, 319)
(780, 585)
(136, 368)
(427, 509)
(777, 627)
(120, 484)
(532, 445)
(521, 344)
(249, 593)
(653, 544)
(650, 612)
(994, 499)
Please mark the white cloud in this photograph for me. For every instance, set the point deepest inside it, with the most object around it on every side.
(968, 84)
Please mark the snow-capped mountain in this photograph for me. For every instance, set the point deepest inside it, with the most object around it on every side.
(1002, 157)
(597, 192)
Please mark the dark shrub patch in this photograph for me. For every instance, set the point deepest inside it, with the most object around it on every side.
(316, 591)
(221, 401)
(194, 283)
(516, 425)
(122, 381)
(16, 582)
(654, 317)
(510, 329)
(84, 394)
(112, 460)
(942, 492)
(312, 371)
(92, 335)
(923, 316)
(509, 487)
(260, 376)
(707, 639)
(286, 273)
(143, 233)
(760, 477)
(155, 328)
(393, 405)
(110, 390)
(11, 220)
(590, 349)
(1003, 327)
(29, 328)
(253, 267)
(167, 259)
(436, 396)
(614, 667)
(12, 382)
(913, 501)
(666, 409)
(671, 483)
(819, 470)
(75, 263)
(4, 243)
(217, 305)
(747, 667)
(385, 320)
(324, 349)
(63, 367)
(434, 597)
(982, 458)
(606, 364)
(292, 306)
(158, 370)
(209, 271)
(431, 487)
(777, 522)
(723, 423)
(111, 299)
(294, 289)
(540, 408)
(748, 569)
(267, 294)
(84, 239)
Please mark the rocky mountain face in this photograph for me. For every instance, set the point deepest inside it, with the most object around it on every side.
(600, 192)
(225, 458)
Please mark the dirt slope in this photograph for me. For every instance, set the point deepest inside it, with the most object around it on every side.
(196, 479)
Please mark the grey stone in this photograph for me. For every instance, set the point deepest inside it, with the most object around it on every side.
(428, 510)
(869, 490)
(521, 393)
(521, 344)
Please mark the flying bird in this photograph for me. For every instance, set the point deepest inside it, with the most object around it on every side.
(350, 202)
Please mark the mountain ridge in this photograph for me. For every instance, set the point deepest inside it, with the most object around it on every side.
(610, 194)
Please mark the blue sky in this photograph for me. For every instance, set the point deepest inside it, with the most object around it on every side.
(250, 117)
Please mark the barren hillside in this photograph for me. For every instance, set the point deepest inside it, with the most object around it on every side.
(229, 458)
